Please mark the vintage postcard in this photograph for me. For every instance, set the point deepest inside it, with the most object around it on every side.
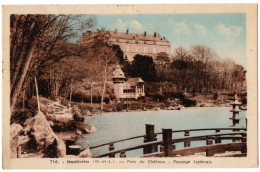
(129, 86)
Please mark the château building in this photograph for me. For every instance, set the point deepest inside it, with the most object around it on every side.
(133, 88)
(132, 43)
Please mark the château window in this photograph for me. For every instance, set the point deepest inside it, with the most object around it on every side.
(154, 50)
(145, 49)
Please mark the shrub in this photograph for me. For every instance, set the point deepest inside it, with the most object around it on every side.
(158, 97)
(106, 100)
(189, 102)
(216, 95)
(21, 115)
(77, 97)
(141, 98)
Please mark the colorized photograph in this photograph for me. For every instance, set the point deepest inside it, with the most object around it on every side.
(128, 85)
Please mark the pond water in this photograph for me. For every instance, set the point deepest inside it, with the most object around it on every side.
(120, 125)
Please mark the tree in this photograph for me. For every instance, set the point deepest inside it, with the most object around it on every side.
(102, 58)
(203, 56)
(201, 68)
(144, 67)
(37, 41)
(119, 53)
(182, 68)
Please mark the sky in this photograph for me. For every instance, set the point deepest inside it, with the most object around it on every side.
(225, 33)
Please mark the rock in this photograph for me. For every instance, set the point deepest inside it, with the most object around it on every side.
(92, 129)
(170, 108)
(88, 113)
(58, 112)
(50, 116)
(71, 156)
(59, 148)
(77, 116)
(85, 154)
(81, 126)
(86, 130)
(39, 129)
(22, 140)
(78, 132)
(15, 130)
(51, 123)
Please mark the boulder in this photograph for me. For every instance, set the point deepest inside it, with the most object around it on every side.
(50, 116)
(91, 129)
(86, 130)
(85, 154)
(39, 129)
(23, 140)
(15, 130)
(57, 112)
(78, 132)
(51, 123)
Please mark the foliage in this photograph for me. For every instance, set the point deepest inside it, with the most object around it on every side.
(36, 41)
(188, 102)
(144, 67)
(201, 70)
(216, 96)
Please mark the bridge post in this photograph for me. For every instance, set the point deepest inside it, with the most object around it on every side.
(186, 133)
(150, 136)
(187, 143)
(209, 141)
(111, 146)
(167, 141)
(112, 155)
(244, 148)
(122, 154)
(209, 151)
(218, 139)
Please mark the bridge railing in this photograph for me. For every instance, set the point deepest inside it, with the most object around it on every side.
(167, 145)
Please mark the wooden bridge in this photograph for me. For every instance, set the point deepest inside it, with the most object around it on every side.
(213, 143)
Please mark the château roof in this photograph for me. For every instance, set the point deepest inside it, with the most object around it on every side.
(125, 35)
(130, 36)
(135, 36)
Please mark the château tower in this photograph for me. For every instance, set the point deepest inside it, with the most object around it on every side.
(118, 80)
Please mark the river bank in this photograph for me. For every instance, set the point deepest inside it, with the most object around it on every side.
(149, 104)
